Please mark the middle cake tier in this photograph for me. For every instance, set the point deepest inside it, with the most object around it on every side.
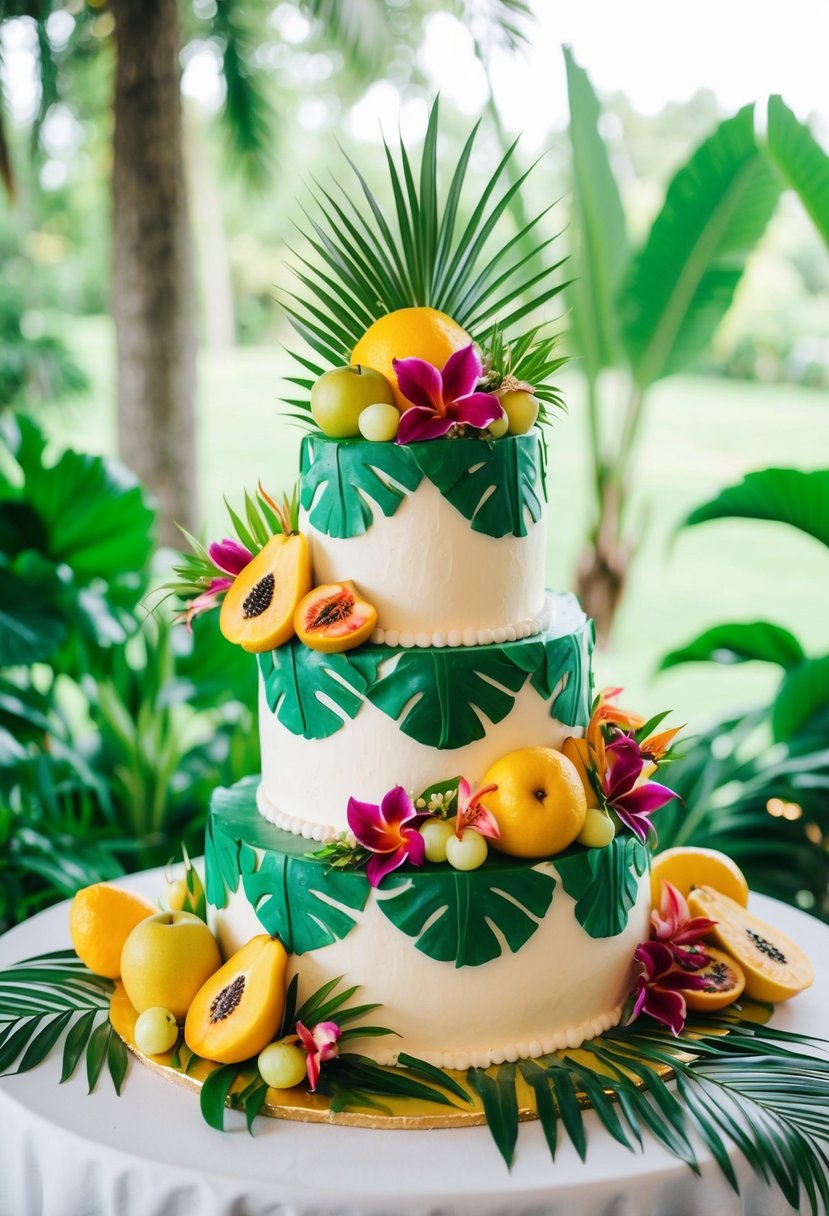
(333, 726)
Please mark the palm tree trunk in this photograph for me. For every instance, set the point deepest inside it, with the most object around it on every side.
(152, 281)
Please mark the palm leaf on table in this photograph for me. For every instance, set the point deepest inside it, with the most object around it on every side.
(363, 262)
(53, 997)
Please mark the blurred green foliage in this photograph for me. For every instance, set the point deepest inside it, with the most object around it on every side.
(115, 727)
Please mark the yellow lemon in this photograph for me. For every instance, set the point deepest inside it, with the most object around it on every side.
(540, 804)
(687, 868)
(101, 919)
(422, 333)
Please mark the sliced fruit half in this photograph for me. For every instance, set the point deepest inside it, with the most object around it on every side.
(333, 617)
(237, 1012)
(775, 967)
(258, 609)
(724, 983)
(689, 867)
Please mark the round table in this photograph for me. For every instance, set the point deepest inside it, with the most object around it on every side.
(148, 1153)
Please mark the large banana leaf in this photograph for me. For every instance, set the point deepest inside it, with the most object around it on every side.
(803, 163)
(739, 642)
(803, 695)
(786, 496)
(682, 282)
(597, 230)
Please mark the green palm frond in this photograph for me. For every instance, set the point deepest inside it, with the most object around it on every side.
(248, 115)
(530, 359)
(359, 28)
(53, 997)
(365, 261)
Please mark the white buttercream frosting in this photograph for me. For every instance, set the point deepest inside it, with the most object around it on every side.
(560, 988)
(428, 573)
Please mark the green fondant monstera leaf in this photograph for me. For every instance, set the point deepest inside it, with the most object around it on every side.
(494, 486)
(341, 480)
(435, 693)
(461, 918)
(306, 903)
(225, 860)
(604, 883)
(553, 660)
(300, 683)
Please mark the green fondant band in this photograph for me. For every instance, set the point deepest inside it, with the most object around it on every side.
(434, 692)
(497, 486)
(452, 916)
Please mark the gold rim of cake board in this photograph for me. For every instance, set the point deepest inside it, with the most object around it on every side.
(406, 1114)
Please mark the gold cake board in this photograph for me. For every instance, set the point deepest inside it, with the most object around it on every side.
(299, 1105)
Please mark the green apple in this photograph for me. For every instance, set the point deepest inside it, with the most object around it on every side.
(340, 396)
(521, 409)
(168, 961)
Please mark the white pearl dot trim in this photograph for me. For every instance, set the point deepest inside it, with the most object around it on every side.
(471, 636)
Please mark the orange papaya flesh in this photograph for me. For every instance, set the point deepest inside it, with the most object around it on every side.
(334, 617)
(237, 1012)
(258, 609)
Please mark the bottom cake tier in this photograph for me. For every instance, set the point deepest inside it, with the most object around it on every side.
(512, 960)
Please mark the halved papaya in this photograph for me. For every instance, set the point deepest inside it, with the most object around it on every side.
(724, 983)
(333, 617)
(258, 609)
(775, 967)
(236, 1013)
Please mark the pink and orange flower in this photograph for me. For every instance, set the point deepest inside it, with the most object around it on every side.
(473, 814)
(320, 1045)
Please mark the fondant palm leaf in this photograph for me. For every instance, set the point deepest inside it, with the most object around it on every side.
(364, 262)
(604, 883)
(321, 905)
(342, 483)
(299, 683)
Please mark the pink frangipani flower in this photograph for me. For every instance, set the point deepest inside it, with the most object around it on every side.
(472, 814)
(633, 800)
(658, 984)
(440, 399)
(388, 831)
(320, 1044)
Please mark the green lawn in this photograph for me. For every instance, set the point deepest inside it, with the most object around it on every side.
(701, 434)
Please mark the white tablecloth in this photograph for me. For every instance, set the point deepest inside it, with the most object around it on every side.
(148, 1153)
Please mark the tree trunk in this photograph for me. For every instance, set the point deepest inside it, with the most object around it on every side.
(602, 570)
(152, 280)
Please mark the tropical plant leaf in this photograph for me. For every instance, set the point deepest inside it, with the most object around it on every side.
(341, 481)
(96, 1052)
(802, 161)
(786, 496)
(494, 486)
(559, 665)
(31, 627)
(215, 1092)
(225, 860)
(75, 1043)
(739, 642)
(500, 1104)
(803, 694)
(301, 684)
(680, 285)
(358, 1077)
(461, 917)
(604, 883)
(435, 695)
(598, 233)
(431, 1073)
(308, 905)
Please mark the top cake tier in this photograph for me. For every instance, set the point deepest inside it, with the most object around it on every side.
(447, 539)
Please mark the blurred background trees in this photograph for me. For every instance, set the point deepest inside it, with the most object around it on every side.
(153, 154)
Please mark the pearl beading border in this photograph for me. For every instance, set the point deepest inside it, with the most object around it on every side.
(571, 1037)
(407, 639)
(321, 832)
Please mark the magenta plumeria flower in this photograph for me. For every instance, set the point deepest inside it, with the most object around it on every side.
(472, 814)
(320, 1045)
(674, 926)
(632, 799)
(388, 831)
(658, 986)
(229, 556)
(440, 399)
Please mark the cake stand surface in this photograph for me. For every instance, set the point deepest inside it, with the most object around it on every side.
(148, 1153)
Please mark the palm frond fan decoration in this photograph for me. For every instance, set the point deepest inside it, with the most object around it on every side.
(358, 263)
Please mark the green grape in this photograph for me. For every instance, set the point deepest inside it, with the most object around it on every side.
(436, 833)
(379, 422)
(521, 409)
(282, 1065)
(155, 1031)
(499, 427)
(598, 829)
(467, 853)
